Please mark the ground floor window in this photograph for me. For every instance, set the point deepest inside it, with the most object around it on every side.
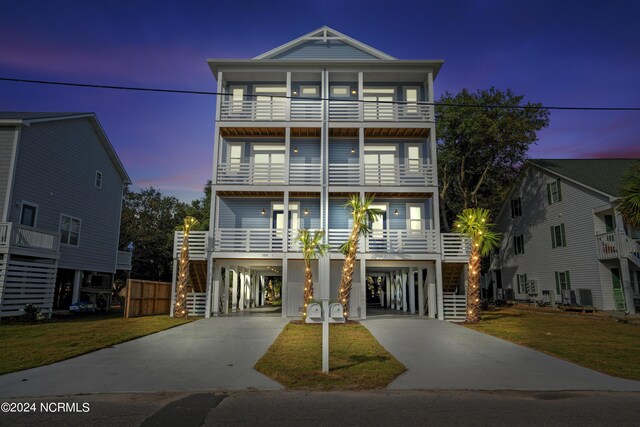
(563, 281)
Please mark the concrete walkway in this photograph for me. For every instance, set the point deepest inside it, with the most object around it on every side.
(209, 354)
(442, 355)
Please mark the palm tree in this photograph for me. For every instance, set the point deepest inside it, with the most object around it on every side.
(629, 205)
(311, 248)
(363, 215)
(474, 223)
(180, 306)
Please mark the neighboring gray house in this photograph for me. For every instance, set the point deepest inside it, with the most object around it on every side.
(61, 186)
(561, 231)
(299, 129)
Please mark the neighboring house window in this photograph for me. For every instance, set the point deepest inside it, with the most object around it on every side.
(28, 214)
(69, 230)
(518, 244)
(309, 91)
(98, 179)
(554, 194)
(522, 283)
(557, 236)
(516, 208)
(563, 281)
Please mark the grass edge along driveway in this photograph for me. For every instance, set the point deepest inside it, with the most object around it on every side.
(27, 346)
(594, 341)
(356, 360)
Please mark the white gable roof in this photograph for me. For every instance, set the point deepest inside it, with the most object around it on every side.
(327, 35)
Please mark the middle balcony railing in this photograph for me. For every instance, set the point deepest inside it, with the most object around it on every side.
(348, 110)
(382, 174)
(268, 174)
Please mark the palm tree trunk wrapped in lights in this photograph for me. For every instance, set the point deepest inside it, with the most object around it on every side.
(311, 247)
(180, 306)
(474, 223)
(363, 215)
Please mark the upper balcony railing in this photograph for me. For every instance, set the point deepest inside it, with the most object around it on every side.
(615, 245)
(198, 244)
(279, 109)
(399, 174)
(268, 174)
(15, 235)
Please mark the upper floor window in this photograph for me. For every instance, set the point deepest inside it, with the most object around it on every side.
(98, 181)
(413, 158)
(69, 230)
(411, 98)
(28, 214)
(340, 91)
(415, 217)
(516, 208)
(558, 237)
(554, 194)
(234, 155)
(518, 244)
(309, 91)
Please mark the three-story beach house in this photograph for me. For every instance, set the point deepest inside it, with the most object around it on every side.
(298, 130)
(61, 186)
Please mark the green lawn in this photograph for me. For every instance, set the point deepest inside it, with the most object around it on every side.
(29, 345)
(596, 342)
(356, 360)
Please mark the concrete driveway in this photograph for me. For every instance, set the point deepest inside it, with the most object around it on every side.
(442, 355)
(208, 354)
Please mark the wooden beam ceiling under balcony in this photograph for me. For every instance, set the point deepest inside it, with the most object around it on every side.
(250, 192)
(305, 132)
(239, 132)
(383, 195)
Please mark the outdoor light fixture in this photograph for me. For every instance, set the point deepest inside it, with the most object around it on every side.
(295, 149)
(353, 92)
(395, 212)
(295, 92)
(263, 211)
(353, 150)
(306, 211)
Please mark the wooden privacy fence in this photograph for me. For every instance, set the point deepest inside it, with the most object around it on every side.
(146, 298)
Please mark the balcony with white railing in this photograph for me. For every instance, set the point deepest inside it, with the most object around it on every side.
(455, 247)
(248, 240)
(399, 174)
(305, 174)
(251, 173)
(310, 110)
(615, 245)
(401, 241)
(344, 174)
(198, 244)
(19, 236)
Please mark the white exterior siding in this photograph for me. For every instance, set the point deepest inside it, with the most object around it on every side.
(540, 261)
(56, 167)
(7, 136)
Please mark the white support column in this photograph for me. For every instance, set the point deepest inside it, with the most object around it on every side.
(234, 289)
(623, 252)
(173, 285)
(288, 114)
(363, 293)
(403, 278)
(225, 297)
(432, 298)
(77, 281)
(287, 153)
(285, 223)
(440, 296)
(283, 289)
(241, 288)
(421, 294)
(412, 292)
(389, 287)
(212, 294)
(360, 96)
(361, 154)
(263, 291)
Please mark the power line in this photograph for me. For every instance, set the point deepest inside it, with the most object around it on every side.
(199, 92)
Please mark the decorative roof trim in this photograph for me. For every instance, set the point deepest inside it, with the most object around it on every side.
(324, 33)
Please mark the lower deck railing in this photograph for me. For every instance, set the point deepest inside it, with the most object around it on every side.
(455, 307)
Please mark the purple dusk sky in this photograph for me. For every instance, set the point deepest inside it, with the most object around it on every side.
(575, 53)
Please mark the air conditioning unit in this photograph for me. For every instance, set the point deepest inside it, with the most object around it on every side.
(508, 294)
(532, 287)
(584, 297)
(569, 297)
(500, 294)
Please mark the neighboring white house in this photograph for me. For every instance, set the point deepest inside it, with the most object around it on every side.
(561, 231)
(61, 186)
(299, 129)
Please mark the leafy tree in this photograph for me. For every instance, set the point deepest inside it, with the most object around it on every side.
(149, 220)
(200, 209)
(629, 205)
(311, 247)
(483, 138)
(474, 223)
(363, 215)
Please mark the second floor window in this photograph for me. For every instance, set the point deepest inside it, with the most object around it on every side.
(518, 244)
(516, 208)
(557, 236)
(69, 230)
(554, 194)
(28, 214)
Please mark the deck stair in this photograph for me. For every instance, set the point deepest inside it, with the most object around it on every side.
(198, 275)
(451, 275)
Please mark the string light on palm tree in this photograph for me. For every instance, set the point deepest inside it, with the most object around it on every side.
(474, 224)
(363, 216)
(312, 247)
(180, 306)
